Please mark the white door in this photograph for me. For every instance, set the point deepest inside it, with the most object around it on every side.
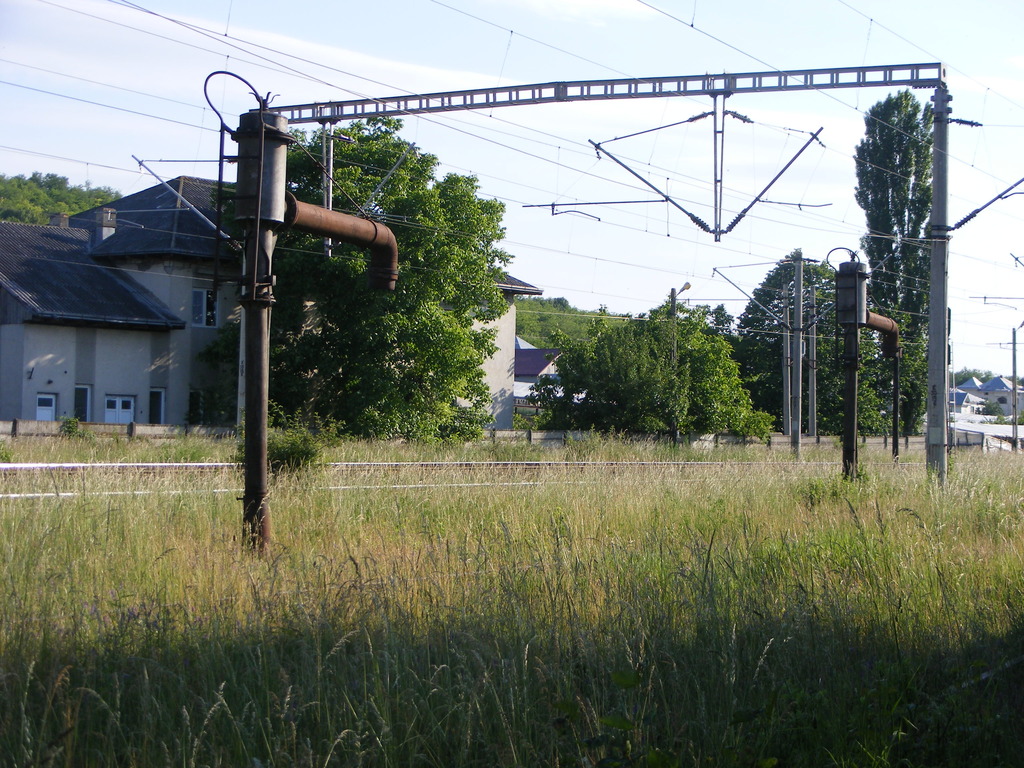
(46, 407)
(118, 409)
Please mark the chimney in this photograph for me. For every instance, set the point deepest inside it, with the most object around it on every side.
(59, 220)
(106, 224)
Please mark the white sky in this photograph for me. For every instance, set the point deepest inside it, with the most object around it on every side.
(86, 84)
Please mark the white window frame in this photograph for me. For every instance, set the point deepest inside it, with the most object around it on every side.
(204, 308)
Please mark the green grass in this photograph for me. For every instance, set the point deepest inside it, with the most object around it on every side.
(736, 615)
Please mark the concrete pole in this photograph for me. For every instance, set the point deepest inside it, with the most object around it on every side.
(787, 421)
(673, 315)
(1015, 407)
(675, 358)
(796, 358)
(812, 366)
(938, 298)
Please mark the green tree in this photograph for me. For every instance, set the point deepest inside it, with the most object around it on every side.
(894, 173)
(968, 373)
(758, 350)
(722, 323)
(32, 199)
(383, 364)
(620, 378)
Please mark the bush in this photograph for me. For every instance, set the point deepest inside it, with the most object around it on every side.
(292, 444)
(6, 454)
(71, 428)
(292, 448)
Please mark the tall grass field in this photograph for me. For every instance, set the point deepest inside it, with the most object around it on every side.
(753, 612)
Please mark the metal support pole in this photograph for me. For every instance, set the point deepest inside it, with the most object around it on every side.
(718, 109)
(260, 205)
(938, 321)
(786, 362)
(851, 362)
(896, 407)
(812, 365)
(256, 304)
(797, 369)
(327, 147)
(1015, 406)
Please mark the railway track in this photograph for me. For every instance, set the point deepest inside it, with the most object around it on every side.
(355, 466)
(387, 473)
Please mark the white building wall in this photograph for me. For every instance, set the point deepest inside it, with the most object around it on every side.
(175, 367)
(110, 362)
(123, 364)
(500, 369)
(49, 370)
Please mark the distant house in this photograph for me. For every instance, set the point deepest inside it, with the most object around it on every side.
(531, 363)
(999, 390)
(966, 402)
(500, 370)
(103, 315)
(973, 384)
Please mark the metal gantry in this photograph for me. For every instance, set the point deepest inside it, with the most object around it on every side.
(928, 75)
(909, 75)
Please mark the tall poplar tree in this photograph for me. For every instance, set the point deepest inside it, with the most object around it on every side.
(894, 189)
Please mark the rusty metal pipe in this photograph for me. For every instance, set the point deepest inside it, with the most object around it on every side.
(890, 331)
(383, 270)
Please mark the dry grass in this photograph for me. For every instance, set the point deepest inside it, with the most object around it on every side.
(735, 614)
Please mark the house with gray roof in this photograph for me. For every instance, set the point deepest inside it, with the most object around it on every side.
(103, 314)
(999, 390)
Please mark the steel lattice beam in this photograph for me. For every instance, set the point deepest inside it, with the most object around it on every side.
(909, 75)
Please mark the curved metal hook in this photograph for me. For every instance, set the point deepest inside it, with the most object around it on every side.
(263, 102)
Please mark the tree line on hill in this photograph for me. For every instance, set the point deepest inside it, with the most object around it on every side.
(33, 199)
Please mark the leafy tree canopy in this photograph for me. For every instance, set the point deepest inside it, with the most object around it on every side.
(406, 363)
(32, 199)
(894, 189)
(620, 378)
